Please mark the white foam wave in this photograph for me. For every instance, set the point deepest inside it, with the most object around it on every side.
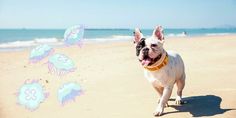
(47, 40)
(176, 35)
(112, 38)
(55, 41)
(122, 37)
(217, 34)
(31, 43)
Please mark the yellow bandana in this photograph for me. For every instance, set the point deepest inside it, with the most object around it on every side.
(165, 61)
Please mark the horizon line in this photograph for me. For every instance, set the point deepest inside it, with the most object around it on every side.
(93, 28)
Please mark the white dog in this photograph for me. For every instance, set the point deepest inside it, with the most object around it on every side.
(162, 68)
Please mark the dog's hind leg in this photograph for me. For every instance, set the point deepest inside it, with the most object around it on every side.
(180, 86)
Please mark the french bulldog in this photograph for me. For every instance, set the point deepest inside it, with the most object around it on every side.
(162, 68)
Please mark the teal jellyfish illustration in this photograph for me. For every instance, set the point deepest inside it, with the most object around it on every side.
(60, 64)
(40, 52)
(74, 35)
(68, 92)
(31, 94)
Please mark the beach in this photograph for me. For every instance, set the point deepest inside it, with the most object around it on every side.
(114, 85)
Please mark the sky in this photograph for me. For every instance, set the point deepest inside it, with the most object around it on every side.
(53, 14)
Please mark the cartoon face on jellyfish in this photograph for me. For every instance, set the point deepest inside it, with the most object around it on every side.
(74, 35)
(40, 52)
(31, 94)
(60, 64)
(68, 92)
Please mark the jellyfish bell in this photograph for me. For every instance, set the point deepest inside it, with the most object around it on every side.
(60, 64)
(40, 52)
(31, 94)
(74, 35)
(68, 92)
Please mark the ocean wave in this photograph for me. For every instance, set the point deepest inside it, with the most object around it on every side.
(216, 34)
(55, 41)
(111, 38)
(47, 40)
(176, 35)
(31, 43)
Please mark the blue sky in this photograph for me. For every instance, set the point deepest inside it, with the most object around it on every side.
(117, 13)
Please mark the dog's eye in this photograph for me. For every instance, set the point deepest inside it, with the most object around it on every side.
(153, 45)
(139, 47)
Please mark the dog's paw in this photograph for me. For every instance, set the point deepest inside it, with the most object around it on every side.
(178, 100)
(159, 110)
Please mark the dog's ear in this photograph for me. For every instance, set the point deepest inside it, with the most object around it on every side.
(137, 35)
(158, 33)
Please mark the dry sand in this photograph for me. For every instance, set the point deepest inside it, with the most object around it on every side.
(114, 85)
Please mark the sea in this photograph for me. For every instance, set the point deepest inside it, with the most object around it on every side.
(13, 39)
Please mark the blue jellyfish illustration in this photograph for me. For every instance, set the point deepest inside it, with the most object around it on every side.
(74, 35)
(68, 92)
(40, 52)
(31, 94)
(60, 64)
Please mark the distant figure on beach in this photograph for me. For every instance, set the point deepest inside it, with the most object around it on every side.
(183, 34)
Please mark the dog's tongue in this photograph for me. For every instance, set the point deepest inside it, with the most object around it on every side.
(145, 62)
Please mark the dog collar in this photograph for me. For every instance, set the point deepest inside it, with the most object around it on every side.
(155, 68)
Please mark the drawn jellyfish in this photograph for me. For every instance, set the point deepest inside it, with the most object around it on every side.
(60, 64)
(31, 94)
(68, 92)
(74, 35)
(40, 52)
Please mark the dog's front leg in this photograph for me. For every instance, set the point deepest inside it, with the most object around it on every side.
(164, 99)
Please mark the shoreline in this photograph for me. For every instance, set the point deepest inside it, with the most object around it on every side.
(60, 44)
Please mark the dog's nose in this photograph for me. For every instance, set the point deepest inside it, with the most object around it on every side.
(145, 51)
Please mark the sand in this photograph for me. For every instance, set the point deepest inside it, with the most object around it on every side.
(114, 85)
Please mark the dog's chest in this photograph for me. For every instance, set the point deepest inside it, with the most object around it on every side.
(163, 76)
(168, 74)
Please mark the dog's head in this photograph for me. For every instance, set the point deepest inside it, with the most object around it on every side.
(149, 50)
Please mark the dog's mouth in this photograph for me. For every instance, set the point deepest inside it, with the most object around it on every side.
(147, 61)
